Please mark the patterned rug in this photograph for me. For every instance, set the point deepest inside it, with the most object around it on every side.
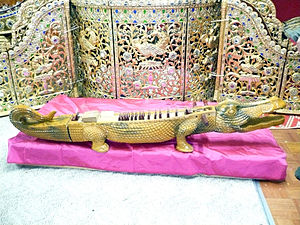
(291, 122)
(39, 195)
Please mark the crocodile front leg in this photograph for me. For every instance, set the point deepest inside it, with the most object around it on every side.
(97, 136)
(184, 129)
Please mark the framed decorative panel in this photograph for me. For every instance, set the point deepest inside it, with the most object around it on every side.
(290, 90)
(40, 58)
(253, 53)
(202, 50)
(93, 48)
(191, 50)
(150, 51)
(7, 94)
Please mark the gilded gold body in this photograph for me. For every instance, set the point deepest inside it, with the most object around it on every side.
(228, 116)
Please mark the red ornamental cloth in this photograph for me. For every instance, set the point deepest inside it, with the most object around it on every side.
(246, 155)
(287, 9)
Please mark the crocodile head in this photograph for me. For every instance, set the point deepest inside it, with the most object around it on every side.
(232, 116)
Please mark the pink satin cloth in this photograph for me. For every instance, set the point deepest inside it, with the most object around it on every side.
(245, 155)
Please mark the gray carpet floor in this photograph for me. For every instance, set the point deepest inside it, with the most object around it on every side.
(40, 195)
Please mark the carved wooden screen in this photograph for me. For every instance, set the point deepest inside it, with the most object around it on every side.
(7, 92)
(202, 50)
(142, 49)
(253, 52)
(290, 89)
(40, 60)
(150, 51)
(93, 48)
(146, 50)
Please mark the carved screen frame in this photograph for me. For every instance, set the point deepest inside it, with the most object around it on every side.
(290, 88)
(40, 58)
(139, 74)
(252, 26)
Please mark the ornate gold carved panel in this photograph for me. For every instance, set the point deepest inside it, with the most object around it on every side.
(94, 50)
(267, 12)
(150, 49)
(140, 52)
(290, 90)
(29, 9)
(40, 60)
(202, 50)
(7, 95)
(253, 54)
(146, 49)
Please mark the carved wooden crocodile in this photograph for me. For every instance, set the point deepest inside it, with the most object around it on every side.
(148, 127)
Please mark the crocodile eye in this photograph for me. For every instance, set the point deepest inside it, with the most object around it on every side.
(23, 119)
(231, 111)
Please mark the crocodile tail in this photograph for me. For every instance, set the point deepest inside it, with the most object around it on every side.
(50, 116)
(23, 116)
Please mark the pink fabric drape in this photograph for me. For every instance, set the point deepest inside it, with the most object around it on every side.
(246, 155)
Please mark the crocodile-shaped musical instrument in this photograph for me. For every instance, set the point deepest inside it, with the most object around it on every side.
(148, 127)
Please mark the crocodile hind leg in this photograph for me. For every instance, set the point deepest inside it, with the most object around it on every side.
(100, 146)
(182, 144)
(184, 129)
(97, 136)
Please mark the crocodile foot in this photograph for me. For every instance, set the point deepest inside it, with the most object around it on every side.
(184, 147)
(100, 147)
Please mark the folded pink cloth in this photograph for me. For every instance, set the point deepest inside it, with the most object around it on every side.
(246, 155)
